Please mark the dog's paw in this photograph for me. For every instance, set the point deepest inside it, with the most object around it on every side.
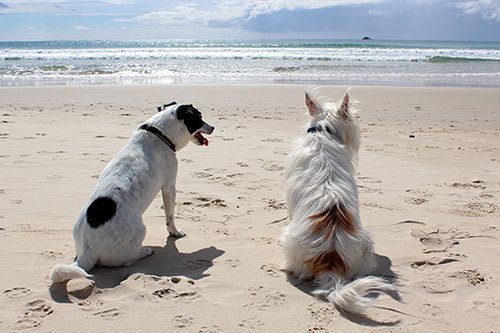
(146, 251)
(176, 233)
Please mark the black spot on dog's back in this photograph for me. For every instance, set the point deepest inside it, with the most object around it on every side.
(190, 116)
(100, 211)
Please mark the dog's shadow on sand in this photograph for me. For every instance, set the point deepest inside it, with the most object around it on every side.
(383, 270)
(166, 261)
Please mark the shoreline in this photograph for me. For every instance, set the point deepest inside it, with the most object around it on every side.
(428, 188)
(248, 84)
(255, 83)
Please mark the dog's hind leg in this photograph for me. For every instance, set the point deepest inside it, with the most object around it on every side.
(168, 194)
(144, 252)
(134, 250)
(87, 259)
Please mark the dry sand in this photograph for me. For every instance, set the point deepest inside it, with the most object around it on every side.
(431, 202)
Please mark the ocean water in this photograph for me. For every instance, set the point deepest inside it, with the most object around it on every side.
(413, 63)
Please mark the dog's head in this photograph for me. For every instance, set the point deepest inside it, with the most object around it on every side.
(190, 125)
(335, 121)
(195, 125)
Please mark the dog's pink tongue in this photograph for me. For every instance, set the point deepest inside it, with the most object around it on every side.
(205, 142)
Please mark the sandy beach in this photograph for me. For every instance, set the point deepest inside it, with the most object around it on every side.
(429, 187)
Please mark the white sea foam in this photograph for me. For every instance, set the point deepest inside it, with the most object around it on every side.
(80, 62)
(350, 54)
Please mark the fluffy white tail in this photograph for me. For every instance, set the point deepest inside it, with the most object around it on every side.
(352, 297)
(62, 272)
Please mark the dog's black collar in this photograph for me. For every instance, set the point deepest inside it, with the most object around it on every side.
(319, 128)
(159, 134)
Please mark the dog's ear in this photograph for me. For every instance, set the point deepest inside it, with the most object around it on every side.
(343, 111)
(312, 105)
(164, 106)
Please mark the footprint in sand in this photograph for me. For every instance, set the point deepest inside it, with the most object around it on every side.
(323, 314)
(110, 314)
(274, 204)
(475, 209)
(435, 284)
(251, 323)
(416, 201)
(17, 292)
(376, 206)
(432, 262)
(181, 321)
(431, 309)
(24, 227)
(264, 299)
(39, 308)
(368, 179)
(34, 312)
(233, 263)
(476, 184)
(434, 242)
(187, 296)
(202, 174)
(366, 189)
(26, 323)
(181, 293)
(472, 276)
(272, 166)
(264, 240)
(196, 264)
(210, 329)
(207, 202)
(235, 175)
(51, 255)
(272, 270)
(272, 140)
(165, 293)
(87, 305)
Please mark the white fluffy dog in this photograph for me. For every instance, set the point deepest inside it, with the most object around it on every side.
(109, 230)
(325, 240)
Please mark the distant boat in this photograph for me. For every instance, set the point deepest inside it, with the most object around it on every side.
(366, 38)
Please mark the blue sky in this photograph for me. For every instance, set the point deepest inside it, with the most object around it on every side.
(155, 19)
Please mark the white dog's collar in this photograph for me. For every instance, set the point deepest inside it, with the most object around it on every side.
(159, 134)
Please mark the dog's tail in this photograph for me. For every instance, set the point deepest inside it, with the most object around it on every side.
(63, 272)
(353, 296)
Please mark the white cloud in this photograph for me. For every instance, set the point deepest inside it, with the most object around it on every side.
(38, 2)
(230, 10)
(488, 9)
(256, 8)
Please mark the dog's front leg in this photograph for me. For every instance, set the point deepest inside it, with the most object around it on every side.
(168, 194)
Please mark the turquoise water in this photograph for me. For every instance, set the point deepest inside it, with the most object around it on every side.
(418, 63)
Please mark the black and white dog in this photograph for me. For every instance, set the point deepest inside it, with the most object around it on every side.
(109, 230)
